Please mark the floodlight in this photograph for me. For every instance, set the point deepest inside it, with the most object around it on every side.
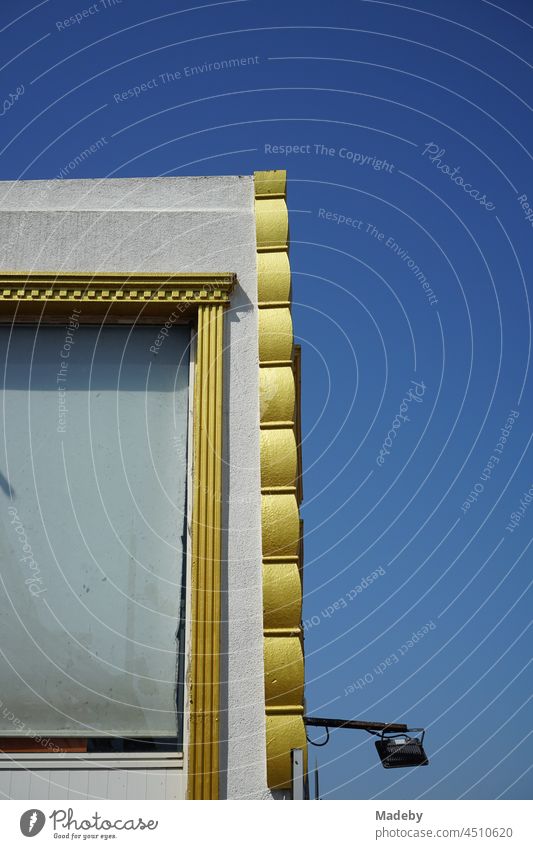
(401, 750)
(396, 748)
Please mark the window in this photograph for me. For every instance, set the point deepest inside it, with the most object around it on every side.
(93, 471)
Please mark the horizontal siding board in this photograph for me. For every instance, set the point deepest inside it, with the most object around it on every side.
(155, 784)
(17, 784)
(39, 784)
(58, 784)
(5, 785)
(175, 784)
(98, 783)
(116, 783)
(78, 783)
(136, 784)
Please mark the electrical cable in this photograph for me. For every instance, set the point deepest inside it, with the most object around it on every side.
(319, 745)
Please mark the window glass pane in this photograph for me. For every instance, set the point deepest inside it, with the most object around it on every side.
(92, 510)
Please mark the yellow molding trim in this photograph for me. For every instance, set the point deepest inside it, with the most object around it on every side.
(203, 778)
(278, 490)
(270, 184)
(271, 363)
(206, 295)
(281, 524)
(297, 372)
(288, 710)
(276, 559)
(276, 425)
(20, 289)
(273, 248)
(34, 277)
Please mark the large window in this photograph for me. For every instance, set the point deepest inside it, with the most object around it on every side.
(93, 471)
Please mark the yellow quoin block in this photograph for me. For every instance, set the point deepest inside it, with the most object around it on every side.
(284, 672)
(282, 597)
(279, 458)
(284, 732)
(280, 521)
(271, 223)
(273, 277)
(277, 394)
(275, 335)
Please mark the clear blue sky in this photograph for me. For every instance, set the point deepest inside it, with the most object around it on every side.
(384, 101)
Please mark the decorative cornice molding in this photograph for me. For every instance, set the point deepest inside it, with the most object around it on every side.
(125, 289)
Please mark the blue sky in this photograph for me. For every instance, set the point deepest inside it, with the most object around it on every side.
(404, 130)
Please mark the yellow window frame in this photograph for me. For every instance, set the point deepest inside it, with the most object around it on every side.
(43, 297)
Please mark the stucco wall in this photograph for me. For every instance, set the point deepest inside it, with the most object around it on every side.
(180, 224)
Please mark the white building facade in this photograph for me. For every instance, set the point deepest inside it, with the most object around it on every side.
(151, 481)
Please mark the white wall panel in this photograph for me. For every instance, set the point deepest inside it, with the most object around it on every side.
(180, 224)
(92, 784)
